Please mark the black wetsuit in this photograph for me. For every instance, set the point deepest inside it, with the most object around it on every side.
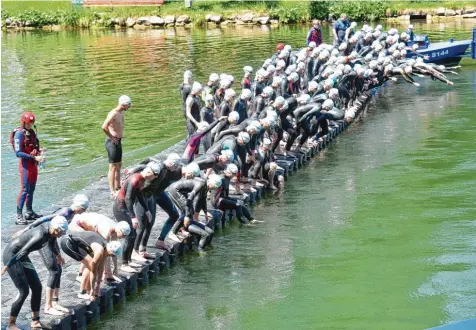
(195, 112)
(47, 253)
(257, 88)
(190, 195)
(226, 143)
(206, 161)
(224, 202)
(78, 245)
(259, 104)
(184, 91)
(241, 106)
(20, 268)
(123, 209)
(155, 194)
(207, 115)
(225, 109)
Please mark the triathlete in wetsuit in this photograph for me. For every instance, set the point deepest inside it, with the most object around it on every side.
(241, 105)
(123, 209)
(185, 89)
(170, 171)
(21, 269)
(224, 202)
(190, 196)
(261, 101)
(246, 82)
(193, 144)
(192, 108)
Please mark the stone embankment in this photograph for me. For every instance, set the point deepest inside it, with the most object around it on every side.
(149, 22)
(432, 15)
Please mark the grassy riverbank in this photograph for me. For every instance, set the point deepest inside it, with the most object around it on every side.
(41, 13)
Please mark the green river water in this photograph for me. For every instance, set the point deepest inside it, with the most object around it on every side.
(375, 233)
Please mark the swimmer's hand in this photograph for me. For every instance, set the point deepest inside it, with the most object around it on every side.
(186, 222)
(416, 84)
(135, 223)
(4, 269)
(223, 117)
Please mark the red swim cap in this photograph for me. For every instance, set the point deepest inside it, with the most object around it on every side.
(27, 117)
(279, 46)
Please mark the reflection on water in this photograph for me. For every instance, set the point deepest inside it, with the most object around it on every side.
(374, 233)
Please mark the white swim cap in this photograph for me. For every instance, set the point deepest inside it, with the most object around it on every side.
(196, 87)
(233, 117)
(248, 69)
(228, 154)
(123, 227)
(214, 180)
(244, 136)
(279, 100)
(230, 93)
(187, 74)
(81, 201)
(266, 142)
(124, 100)
(328, 104)
(246, 94)
(174, 158)
(214, 77)
(154, 167)
(268, 90)
(193, 169)
(59, 222)
(114, 247)
(232, 168)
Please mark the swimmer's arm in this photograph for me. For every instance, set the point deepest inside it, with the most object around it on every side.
(110, 118)
(188, 110)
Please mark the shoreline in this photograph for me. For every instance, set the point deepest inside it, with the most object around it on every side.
(151, 18)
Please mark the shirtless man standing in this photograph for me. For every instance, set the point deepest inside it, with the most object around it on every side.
(114, 128)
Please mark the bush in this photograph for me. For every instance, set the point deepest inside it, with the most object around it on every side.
(290, 14)
(359, 10)
(319, 9)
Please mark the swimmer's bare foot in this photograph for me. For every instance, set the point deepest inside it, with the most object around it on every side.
(137, 257)
(52, 311)
(60, 308)
(147, 255)
(39, 325)
(129, 269)
(162, 246)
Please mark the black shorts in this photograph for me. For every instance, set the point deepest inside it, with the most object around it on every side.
(114, 151)
(73, 250)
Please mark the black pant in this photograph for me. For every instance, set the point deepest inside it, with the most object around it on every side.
(238, 206)
(25, 277)
(165, 203)
(145, 224)
(122, 214)
(54, 269)
(201, 230)
(244, 165)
